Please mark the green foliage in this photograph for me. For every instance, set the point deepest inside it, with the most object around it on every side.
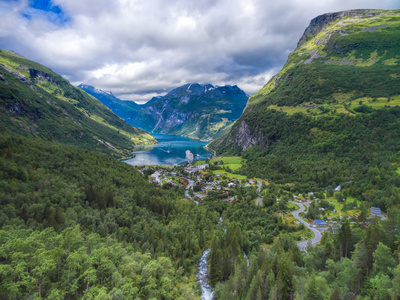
(47, 187)
(226, 251)
(72, 264)
(282, 272)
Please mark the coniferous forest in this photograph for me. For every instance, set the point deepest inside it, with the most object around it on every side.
(78, 223)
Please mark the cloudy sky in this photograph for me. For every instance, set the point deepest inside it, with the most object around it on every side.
(141, 48)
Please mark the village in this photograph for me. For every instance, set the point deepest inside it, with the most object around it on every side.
(215, 179)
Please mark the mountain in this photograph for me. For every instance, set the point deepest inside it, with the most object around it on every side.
(35, 101)
(332, 110)
(193, 110)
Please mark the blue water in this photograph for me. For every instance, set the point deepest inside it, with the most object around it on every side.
(170, 150)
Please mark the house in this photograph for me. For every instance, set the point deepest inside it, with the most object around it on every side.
(252, 181)
(338, 188)
(202, 166)
(231, 199)
(320, 223)
(375, 211)
(155, 177)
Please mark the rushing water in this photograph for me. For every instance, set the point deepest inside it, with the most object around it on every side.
(170, 150)
(202, 277)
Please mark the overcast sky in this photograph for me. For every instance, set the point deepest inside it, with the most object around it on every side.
(142, 48)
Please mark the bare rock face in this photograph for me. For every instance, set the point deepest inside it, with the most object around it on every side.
(319, 23)
(36, 74)
(246, 138)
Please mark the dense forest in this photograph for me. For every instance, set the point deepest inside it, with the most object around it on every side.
(352, 263)
(59, 203)
(75, 224)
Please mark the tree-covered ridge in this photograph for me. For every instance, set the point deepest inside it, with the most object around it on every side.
(34, 101)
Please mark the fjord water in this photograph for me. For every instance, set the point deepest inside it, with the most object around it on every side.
(170, 150)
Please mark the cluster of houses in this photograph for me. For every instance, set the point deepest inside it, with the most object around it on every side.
(162, 176)
(192, 169)
(350, 216)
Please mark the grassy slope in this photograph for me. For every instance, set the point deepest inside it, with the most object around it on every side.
(361, 61)
(355, 61)
(36, 101)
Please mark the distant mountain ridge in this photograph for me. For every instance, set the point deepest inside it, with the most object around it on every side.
(195, 110)
(35, 101)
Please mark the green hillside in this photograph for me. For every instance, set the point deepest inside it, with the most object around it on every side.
(341, 59)
(332, 113)
(35, 101)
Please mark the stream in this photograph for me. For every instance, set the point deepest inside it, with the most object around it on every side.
(202, 270)
(202, 277)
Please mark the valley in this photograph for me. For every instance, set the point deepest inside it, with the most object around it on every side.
(198, 111)
(293, 193)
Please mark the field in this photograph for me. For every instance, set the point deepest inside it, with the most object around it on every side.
(233, 162)
(341, 103)
(229, 175)
(339, 207)
(292, 206)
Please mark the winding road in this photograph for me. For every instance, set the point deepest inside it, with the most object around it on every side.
(191, 183)
(259, 199)
(317, 235)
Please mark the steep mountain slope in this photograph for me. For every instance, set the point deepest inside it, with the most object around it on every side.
(35, 101)
(332, 105)
(123, 109)
(193, 110)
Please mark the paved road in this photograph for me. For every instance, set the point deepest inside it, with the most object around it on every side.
(259, 200)
(317, 235)
(191, 183)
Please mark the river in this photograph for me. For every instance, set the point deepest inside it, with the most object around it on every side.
(171, 150)
(202, 277)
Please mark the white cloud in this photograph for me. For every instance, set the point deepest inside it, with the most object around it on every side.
(142, 48)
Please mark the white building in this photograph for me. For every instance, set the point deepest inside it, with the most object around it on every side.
(189, 155)
(155, 177)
